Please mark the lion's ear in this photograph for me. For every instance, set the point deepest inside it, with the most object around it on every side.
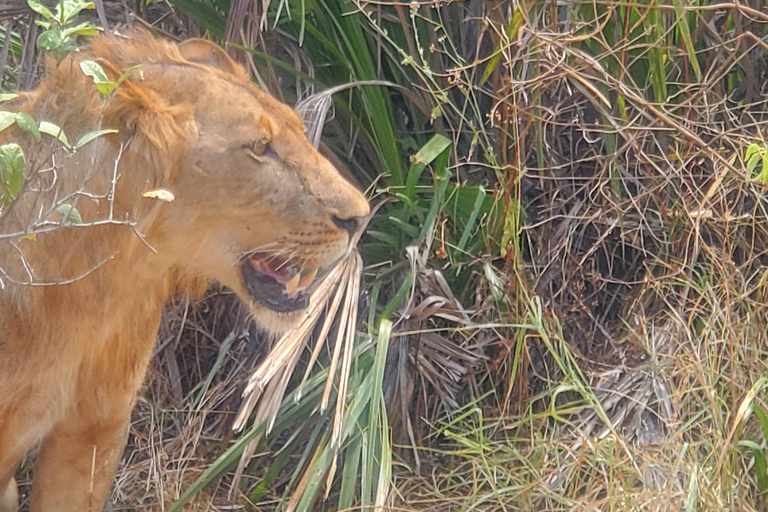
(201, 51)
(167, 129)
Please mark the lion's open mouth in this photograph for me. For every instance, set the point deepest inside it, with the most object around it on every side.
(279, 287)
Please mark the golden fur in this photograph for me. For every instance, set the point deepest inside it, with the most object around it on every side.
(80, 305)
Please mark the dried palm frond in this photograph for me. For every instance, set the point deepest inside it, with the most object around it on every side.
(267, 385)
(337, 296)
(314, 109)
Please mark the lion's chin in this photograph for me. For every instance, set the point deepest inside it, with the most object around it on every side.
(273, 321)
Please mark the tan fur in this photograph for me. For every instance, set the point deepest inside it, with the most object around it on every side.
(80, 306)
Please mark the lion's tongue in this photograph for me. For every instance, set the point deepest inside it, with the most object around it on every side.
(265, 288)
(281, 274)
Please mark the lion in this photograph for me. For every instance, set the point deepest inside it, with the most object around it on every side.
(203, 175)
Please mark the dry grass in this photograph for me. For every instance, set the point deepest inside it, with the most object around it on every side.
(609, 349)
(612, 357)
(640, 266)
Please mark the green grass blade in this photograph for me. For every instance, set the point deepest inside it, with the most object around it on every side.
(425, 156)
(654, 25)
(685, 34)
(292, 414)
(350, 474)
(378, 426)
(223, 351)
(350, 31)
(479, 200)
(442, 178)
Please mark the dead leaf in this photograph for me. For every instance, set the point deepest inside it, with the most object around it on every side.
(161, 194)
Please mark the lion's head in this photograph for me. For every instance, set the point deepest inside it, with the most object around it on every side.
(266, 210)
(255, 206)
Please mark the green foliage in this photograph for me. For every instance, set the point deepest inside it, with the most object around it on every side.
(12, 156)
(364, 443)
(61, 33)
(757, 154)
(22, 120)
(88, 137)
(70, 213)
(59, 39)
(750, 405)
(55, 132)
(26, 123)
(206, 13)
(409, 220)
(105, 86)
(11, 172)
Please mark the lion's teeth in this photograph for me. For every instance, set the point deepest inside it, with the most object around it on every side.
(307, 279)
(292, 286)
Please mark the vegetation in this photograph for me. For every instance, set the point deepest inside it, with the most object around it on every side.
(564, 291)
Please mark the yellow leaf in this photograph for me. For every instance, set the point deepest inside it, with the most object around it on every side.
(161, 194)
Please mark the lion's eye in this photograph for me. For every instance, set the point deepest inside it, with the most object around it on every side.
(260, 147)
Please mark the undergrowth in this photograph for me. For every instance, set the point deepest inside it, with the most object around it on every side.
(565, 276)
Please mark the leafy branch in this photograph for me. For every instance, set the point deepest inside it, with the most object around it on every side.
(61, 34)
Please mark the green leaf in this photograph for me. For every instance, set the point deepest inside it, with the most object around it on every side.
(128, 72)
(70, 213)
(54, 131)
(223, 351)
(657, 53)
(442, 176)
(50, 39)
(763, 418)
(104, 85)
(6, 119)
(8, 96)
(398, 298)
(378, 430)
(425, 156)
(292, 411)
(88, 137)
(349, 474)
(95, 71)
(384, 237)
(511, 226)
(410, 230)
(764, 171)
(84, 29)
(11, 171)
(40, 9)
(26, 123)
(68, 46)
(512, 28)
(752, 162)
(431, 150)
(761, 465)
(106, 89)
(73, 8)
(751, 150)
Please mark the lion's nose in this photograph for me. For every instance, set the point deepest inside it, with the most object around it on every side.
(350, 225)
